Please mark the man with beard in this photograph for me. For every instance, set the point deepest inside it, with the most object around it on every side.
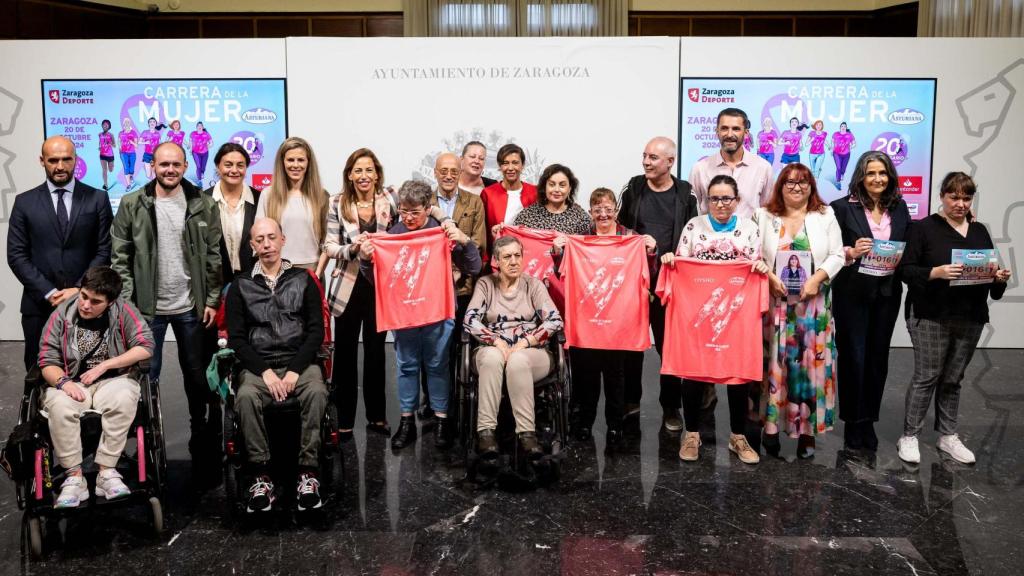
(57, 231)
(166, 247)
(752, 173)
(473, 161)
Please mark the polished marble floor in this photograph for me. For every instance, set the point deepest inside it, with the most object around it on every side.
(641, 511)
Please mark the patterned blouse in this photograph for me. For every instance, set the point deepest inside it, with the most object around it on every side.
(700, 240)
(573, 220)
(527, 311)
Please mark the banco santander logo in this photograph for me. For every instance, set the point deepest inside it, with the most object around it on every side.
(54, 96)
(693, 94)
(261, 181)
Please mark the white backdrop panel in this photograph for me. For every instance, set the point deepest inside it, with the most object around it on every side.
(588, 103)
(25, 63)
(979, 114)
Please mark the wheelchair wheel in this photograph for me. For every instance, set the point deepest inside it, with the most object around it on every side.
(32, 537)
(157, 515)
(158, 443)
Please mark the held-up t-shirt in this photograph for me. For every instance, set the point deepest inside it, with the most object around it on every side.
(713, 320)
(412, 275)
(537, 260)
(606, 284)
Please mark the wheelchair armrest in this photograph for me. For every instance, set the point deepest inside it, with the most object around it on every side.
(144, 365)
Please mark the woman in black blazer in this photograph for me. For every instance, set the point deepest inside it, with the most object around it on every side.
(866, 306)
(237, 205)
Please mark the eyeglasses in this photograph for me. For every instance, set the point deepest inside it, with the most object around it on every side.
(602, 211)
(449, 171)
(411, 213)
(791, 184)
(721, 200)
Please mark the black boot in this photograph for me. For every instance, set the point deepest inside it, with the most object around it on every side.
(442, 434)
(867, 434)
(771, 444)
(406, 433)
(852, 439)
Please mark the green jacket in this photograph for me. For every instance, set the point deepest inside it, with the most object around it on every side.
(134, 252)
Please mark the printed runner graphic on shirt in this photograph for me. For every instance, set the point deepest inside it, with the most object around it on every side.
(606, 282)
(713, 320)
(412, 276)
(537, 261)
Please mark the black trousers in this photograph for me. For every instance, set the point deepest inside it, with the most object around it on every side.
(670, 394)
(863, 335)
(32, 327)
(693, 402)
(589, 368)
(361, 312)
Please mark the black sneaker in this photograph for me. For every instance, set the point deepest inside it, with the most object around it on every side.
(442, 434)
(406, 433)
(308, 492)
(261, 495)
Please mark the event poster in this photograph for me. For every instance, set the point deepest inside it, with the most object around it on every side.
(793, 267)
(116, 124)
(980, 266)
(884, 257)
(823, 123)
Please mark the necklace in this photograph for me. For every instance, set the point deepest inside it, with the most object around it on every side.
(368, 204)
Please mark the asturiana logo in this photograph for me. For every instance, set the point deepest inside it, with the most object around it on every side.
(886, 246)
(259, 116)
(906, 117)
(975, 256)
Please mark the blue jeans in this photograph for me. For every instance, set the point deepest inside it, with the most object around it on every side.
(128, 162)
(769, 156)
(790, 158)
(426, 345)
(816, 162)
(188, 332)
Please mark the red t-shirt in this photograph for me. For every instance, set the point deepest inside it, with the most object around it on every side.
(412, 275)
(537, 261)
(606, 285)
(713, 330)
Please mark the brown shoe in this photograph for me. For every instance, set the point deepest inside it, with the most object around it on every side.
(738, 445)
(486, 444)
(528, 440)
(689, 450)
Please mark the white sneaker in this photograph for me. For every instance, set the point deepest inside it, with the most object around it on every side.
(73, 492)
(110, 486)
(907, 449)
(952, 445)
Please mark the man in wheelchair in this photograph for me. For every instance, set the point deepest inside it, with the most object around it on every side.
(88, 345)
(512, 316)
(276, 327)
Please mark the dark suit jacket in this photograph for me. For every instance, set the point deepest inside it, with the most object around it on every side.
(850, 285)
(40, 258)
(246, 260)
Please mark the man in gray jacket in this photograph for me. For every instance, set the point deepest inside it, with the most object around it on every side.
(88, 348)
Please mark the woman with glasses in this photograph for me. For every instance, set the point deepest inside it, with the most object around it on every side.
(590, 366)
(718, 235)
(799, 395)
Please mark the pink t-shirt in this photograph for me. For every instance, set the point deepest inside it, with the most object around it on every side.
(150, 140)
(766, 140)
(748, 142)
(176, 136)
(129, 139)
(106, 144)
(200, 141)
(792, 142)
(818, 141)
(883, 229)
(841, 142)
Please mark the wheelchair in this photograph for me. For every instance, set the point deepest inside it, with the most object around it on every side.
(37, 477)
(553, 393)
(283, 422)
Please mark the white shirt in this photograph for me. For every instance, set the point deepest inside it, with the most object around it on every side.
(514, 205)
(232, 223)
(301, 245)
(70, 187)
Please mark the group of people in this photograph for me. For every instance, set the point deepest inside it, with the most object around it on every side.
(101, 291)
(127, 143)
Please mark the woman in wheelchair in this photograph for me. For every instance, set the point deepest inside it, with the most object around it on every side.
(88, 344)
(512, 316)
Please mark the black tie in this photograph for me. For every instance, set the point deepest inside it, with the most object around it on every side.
(62, 212)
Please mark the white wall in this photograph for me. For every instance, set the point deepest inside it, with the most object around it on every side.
(983, 139)
(596, 121)
(26, 63)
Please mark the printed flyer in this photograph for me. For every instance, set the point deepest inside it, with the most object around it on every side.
(884, 257)
(980, 266)
(793, 267)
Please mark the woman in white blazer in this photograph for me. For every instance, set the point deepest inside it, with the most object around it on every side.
(799, 393)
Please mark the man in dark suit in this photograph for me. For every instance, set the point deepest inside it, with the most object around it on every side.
(57, 231)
